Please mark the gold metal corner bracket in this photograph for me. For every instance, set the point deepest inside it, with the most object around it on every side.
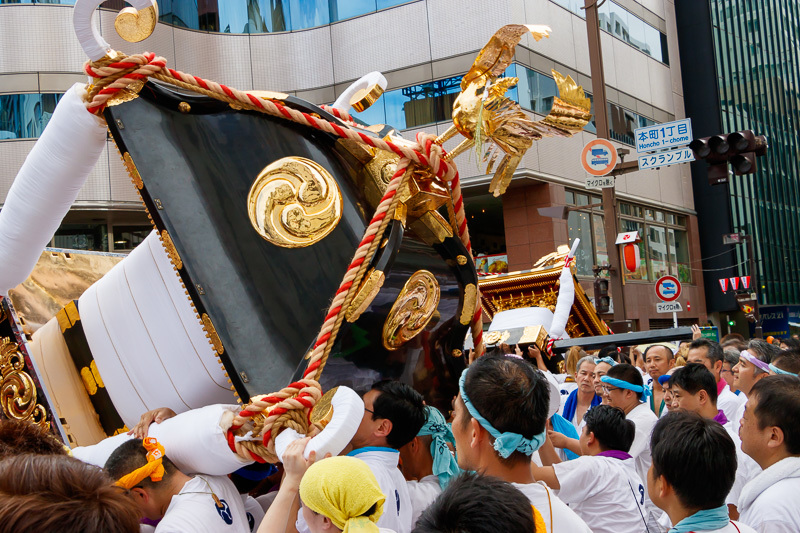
(412, 310)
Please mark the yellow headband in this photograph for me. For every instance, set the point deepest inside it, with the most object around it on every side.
(153, 469)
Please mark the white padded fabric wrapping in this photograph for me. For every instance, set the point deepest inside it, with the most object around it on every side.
(146, 340)
(46, 186)
(348, 411)
(194, 441)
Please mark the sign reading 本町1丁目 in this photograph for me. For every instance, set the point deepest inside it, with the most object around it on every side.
(663, 136)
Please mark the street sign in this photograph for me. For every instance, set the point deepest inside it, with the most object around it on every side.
(668, 307)
(665, 159)
(661, 136)
(668, 288)
(598, 158)
(603, 182)
(732, 238)
(710, 333)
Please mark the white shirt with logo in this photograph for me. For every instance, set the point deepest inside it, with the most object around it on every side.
(605, 492)
(194, 508)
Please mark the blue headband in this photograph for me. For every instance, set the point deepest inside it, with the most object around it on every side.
(625, 385)
(779, 371)
(605, 359)
(445, 465)
(504, 443)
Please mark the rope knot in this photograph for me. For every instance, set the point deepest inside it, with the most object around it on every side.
(434, 153)
(117, 73)
(266, 415)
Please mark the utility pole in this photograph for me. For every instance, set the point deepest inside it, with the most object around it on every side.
(601, 120)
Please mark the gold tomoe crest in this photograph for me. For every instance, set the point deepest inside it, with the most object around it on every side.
(294, 202)
(412, 310)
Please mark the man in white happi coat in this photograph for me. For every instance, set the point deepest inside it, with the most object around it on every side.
(499, 420)
(770, 433)
(694, 463)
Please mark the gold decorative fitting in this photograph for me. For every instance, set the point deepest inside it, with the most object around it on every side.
(401, 213)
(91, 378)
(211, 331)
(379, 170)
(367, 292)
(412, 310)
(294, 202)
(184, 107)
(130, 92)
(470, 303)
(364, 98)
(456, 353)
(493, 338)
(133, 172)
(18, 394)
(322, 412)
(534, 334)
(136, 26)
(432, 228)
(422, 193)
(462, 260)
(172, 252)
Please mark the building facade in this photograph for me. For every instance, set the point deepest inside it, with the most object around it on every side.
(314, 49)
(743, 74)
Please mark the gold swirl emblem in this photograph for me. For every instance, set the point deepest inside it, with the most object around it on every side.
(294, 203)
(18, 395)
(412, 310)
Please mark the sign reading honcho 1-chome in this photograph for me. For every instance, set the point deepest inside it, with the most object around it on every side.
(661, 136)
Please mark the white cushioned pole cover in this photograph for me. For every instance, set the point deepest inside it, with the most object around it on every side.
(194, 441)
(566, 296)
(47, 184)
(348, 410)
(146, 340)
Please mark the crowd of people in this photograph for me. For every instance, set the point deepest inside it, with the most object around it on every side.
(699, 437)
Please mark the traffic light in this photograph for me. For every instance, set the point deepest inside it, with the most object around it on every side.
(740, 149)
(602, 301)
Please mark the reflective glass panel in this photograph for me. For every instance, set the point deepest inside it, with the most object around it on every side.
(679, 255)
(579, 226)
(24, 116)
(344, 9)
(657, 251)
(309, 13)
(601, 252)
(82, 237)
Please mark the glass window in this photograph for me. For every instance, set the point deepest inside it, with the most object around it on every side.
(308, 13)
(583, 199)
(621, 124)
(601, 252)
(681, 220)
(659, 216)
(570, 196)
(92, 237)
(670, 219)
(129, 237)
(641, 273)
(657, 251)
(580, 226)
(649, 214)
(344, 9)
(24, 116)
(679, 255)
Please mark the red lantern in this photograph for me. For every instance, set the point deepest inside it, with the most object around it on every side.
(630, 254)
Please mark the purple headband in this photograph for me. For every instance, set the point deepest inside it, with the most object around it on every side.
(754, 360)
